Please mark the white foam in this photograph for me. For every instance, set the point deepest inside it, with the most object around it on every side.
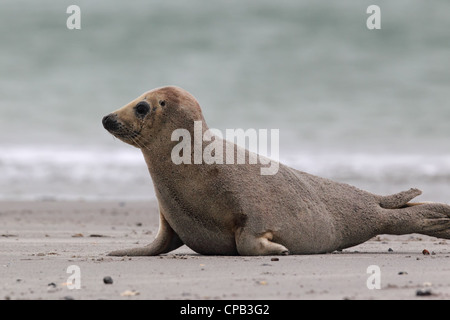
(64, 172)
(374, 166)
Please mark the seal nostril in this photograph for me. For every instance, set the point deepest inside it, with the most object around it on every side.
(105, 120)
(110, 122)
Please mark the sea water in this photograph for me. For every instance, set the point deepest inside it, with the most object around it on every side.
(366, 107)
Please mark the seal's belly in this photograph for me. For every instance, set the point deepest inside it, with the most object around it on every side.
(204, 236)
(208, 242)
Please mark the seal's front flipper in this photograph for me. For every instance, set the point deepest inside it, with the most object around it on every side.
(399, 200)
(166, 240)
(251, 245)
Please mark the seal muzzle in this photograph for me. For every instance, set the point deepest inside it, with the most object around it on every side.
(110, 122)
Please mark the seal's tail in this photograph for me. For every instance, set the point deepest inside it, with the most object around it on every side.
(399, 200)
(403, 217)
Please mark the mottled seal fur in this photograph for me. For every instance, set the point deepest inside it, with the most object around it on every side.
(220, 209)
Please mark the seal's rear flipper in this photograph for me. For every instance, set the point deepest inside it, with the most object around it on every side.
(399, 200)
(432, 219)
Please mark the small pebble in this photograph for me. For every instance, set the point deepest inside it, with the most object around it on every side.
(107, 280)
(390, 250)
(423, 292)
(275, 259)
(51, 287)
(129, 293)
(77, 235)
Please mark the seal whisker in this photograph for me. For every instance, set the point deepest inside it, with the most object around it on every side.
(137, 142)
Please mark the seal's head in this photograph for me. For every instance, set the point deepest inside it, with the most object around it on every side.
(153, 115)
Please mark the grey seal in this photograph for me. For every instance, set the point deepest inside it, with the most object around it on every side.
(220, 209)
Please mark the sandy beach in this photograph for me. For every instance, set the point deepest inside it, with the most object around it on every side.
(40, 241)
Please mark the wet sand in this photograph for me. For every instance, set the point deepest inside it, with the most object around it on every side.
(39, 241)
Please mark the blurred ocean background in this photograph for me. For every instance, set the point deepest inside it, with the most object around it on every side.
(370, 108)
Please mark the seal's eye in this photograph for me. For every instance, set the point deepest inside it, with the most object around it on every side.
(142, 108)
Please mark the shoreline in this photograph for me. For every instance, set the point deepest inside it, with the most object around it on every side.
(41, 240)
